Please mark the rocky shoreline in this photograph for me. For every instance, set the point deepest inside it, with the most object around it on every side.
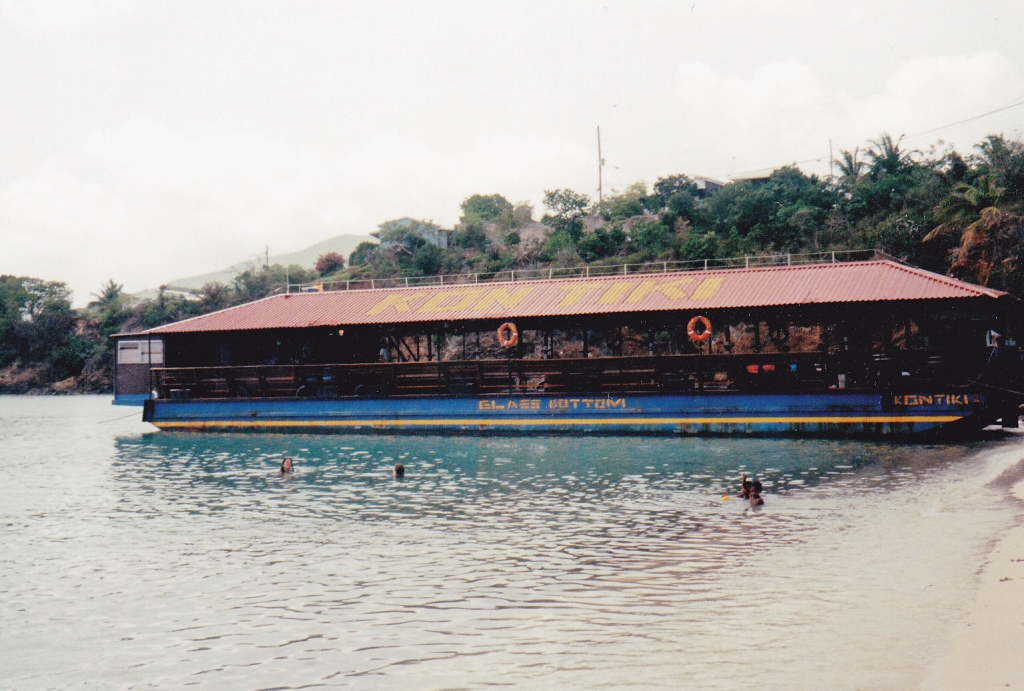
(35, 380)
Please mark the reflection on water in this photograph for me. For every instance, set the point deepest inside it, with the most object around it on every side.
(161, 559)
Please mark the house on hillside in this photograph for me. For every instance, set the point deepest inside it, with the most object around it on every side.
(706, 187)
(755, 178)
(427, 231)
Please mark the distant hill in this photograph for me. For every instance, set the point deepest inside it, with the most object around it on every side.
(342, 244)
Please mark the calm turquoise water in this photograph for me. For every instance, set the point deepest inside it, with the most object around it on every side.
(137, 559)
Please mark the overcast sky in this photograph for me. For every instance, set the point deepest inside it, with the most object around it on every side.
(142, 141)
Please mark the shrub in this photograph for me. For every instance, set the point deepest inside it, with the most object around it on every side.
(650, 236)
(329, 263)
(363, 253)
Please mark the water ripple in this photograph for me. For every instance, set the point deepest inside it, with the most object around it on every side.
(160, 560)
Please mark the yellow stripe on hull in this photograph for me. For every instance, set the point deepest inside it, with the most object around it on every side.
(478, 422)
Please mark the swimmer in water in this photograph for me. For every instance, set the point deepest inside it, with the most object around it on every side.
(755, 494)
(399, 471)
(287, 466)
(745, 492)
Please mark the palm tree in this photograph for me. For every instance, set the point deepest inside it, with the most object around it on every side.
(987, 245)
(850, 166)
(887, 158)
(110, 295)
(988, 235)
(1004, 160)
(964, 205)
(998, 153)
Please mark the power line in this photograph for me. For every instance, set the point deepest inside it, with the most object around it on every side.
(971, 119)
(1015, 103)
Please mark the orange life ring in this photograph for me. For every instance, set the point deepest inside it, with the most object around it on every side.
(703, 335)
(508, 335)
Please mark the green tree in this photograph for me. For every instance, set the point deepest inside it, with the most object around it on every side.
(427, 260)
(54, 341)
(363, 254)
(850, 166)
(1003, 161)
(594, 246)
(40, 295)
(989, 249)
(886, 158)
(14, 326)
(214, 296)
(522, 215)
(489, 208)
(700, 246)
(470, 235)
(987, 238)
(409, 234)
(555, 244)
(110, 310)
(667, 187)
(964, 206)
(38, 325)
(111, 295)
(895, 197)
(567, 211)
(251, 284)
(650, 237)
(171, 306)
(783, 214)
(681, 205)
(629, 203)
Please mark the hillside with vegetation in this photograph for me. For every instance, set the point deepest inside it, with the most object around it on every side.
(958, 213)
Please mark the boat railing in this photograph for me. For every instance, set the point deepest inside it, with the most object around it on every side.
(902, 371)
(591, 271)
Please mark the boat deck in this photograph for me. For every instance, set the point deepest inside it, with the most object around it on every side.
(675, 374)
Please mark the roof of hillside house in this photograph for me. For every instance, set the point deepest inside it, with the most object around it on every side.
(849, 282)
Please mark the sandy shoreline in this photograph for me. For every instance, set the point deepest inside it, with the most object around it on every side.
(986, 650)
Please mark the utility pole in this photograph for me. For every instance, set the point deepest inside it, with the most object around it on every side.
(266, 263)
(831, 163)
(600, 166)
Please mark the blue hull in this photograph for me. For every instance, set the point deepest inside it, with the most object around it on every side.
(833, 414)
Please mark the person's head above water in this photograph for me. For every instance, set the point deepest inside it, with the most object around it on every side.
(399, 470)
(755, 494)
(287, 466)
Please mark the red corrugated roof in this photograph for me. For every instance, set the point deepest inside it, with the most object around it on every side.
(870, 281)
